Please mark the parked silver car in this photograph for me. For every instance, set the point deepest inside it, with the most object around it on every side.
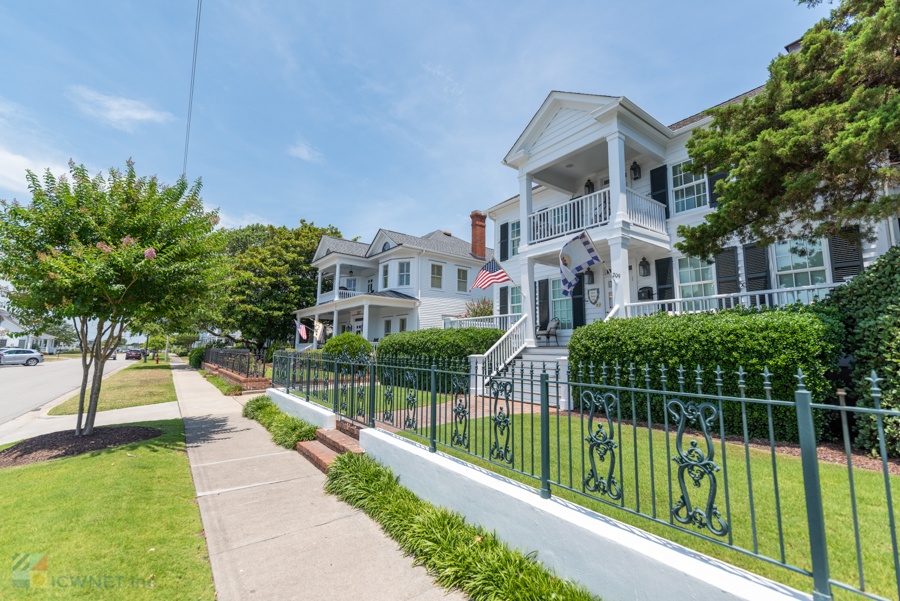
(20, 356)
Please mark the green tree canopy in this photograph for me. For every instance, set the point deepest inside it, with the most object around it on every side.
(814, 154)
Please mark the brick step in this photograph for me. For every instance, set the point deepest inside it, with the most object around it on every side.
(317, 454)
(349, 428)
(338, 441)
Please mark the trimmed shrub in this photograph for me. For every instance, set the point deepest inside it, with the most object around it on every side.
(195, 357)
(286, 430)
(869, 306)
(782, 340)
(354, 345)
(440, 344)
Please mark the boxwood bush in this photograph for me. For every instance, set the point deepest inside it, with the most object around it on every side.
(195, 357)
(869, 306)
(354, 345)
(782, 340)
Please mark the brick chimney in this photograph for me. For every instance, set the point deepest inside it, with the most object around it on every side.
(478, 219)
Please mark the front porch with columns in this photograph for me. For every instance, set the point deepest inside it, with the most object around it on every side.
(365, 314)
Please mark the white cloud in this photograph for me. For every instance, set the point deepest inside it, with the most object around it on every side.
(232, 221)
(304, 151)
(121, 113)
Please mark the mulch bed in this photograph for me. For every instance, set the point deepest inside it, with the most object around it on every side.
(66, 444)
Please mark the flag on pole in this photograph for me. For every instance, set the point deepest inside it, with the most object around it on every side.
(319, 331)
(576, 256)
(301, 328)
(491, 273)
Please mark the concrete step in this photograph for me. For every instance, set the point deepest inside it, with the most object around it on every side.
(349, 428)
(338, 441)
(317, 453)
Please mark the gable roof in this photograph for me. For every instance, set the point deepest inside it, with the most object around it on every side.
(345, 247)
(437, 241)
(700, 116)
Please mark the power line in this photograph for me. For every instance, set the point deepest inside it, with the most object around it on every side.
(187, 135)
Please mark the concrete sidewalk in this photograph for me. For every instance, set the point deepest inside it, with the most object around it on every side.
(271, 531)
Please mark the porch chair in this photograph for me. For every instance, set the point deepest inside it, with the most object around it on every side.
(550, 330)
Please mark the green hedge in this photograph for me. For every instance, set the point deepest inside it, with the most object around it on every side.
(869, 306)
(354, 345)
(440, 344)
(195, 357)
(286, 430)
(782, 340)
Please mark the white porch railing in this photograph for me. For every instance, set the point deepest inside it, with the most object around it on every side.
(575, 215)
(327, 297)
(646, 212)
(499, 322)
(771, 298)
(504, 350)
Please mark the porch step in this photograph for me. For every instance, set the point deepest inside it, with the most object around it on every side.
(317, 453)
(349, 428)
(338, 441)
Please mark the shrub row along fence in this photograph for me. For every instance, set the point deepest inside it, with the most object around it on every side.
(670, 449)
(243, 362)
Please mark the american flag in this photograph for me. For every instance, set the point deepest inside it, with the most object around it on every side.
(491, 273)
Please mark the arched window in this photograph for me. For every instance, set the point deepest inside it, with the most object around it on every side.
(386, 246)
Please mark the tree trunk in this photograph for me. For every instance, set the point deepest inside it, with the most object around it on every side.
(99, 363)
(81, 330)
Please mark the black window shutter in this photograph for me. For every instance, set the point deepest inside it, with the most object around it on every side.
(504, 300)
(727, 275)
(543, 298)
(504, 241)
(665, 279)
(756, 268)
(846, 258)
(578, 317)
(711, 183)
(659, 186)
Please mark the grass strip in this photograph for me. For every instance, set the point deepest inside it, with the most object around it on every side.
(125, 513)
(226, 388)
(286, 430)
(457, 554)
(136, 385)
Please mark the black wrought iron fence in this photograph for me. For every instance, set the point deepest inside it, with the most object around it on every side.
(664, 449)
(243, 362)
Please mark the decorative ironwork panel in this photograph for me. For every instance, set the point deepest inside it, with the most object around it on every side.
(697, 464)
(601, 444)
(412, 400)
(387, 389)
(459, 388)
(502, 424)
(344, 375)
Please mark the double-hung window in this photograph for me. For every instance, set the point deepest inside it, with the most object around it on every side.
(437, 276)
(402, 324)
(689, 189)
(403, 278)
(384, 276)
(795, 270)
(562, 305)
(695, 279)
(515, 236)
(462, 280)
(351, 284)
(515, 300)
(387, 327)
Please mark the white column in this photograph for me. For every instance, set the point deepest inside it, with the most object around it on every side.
(337, 280)
(365, 325)
(615, 145)
(315, 340)
(296, 332)
(334, 327)
(618, 250)
(525, 185)
(528, 300)
(319, 285)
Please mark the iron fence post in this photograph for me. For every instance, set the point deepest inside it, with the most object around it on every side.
(815, 514)
(433, 436)
(372, 395)
(334, 394)
(273, 371)
(307, 376)
(545, 436)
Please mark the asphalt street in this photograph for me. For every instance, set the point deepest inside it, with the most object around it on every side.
(23, 389)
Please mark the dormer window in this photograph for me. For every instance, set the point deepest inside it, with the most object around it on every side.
(386, 246)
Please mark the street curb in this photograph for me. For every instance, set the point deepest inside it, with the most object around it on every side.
(45, 408)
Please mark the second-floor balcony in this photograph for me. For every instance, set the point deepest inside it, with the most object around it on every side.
(327, 297)
(594, 210)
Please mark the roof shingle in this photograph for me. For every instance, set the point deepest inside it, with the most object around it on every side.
(699, 116)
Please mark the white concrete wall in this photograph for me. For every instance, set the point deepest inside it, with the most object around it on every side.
(615, 561)
(301, 409)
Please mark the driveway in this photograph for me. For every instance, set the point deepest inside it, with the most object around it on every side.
(24, 389)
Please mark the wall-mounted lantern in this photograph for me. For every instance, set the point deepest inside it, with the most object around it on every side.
(588, 276)
(589, 187)
(635, 171)
(644, 267)
(351, 272)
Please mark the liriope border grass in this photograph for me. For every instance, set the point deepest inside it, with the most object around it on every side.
(458, 555)
(226, 388)
(286, 430)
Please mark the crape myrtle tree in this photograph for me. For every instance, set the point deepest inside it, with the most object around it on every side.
(816, 153)
(106, 251)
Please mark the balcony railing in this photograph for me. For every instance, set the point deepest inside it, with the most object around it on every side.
(587, 211)
(327, 297)
(646, 212)
(763, 298)
(499, 322)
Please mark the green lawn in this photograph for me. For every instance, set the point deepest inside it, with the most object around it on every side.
(138, 384)
(567, 467)
(108, 514)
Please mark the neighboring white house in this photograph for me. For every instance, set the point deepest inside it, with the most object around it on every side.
(397, 282)
(9, 326)
(603, 164)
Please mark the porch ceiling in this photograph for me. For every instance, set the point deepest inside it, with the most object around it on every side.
(636, 248)
(583, 163)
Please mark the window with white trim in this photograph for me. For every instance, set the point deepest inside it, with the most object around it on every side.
(695, 278)
(402, 324)
(688, 189)
(515, 300)
(437, 276)
(515, 237)
(384, 277)
(561, 305)
(350, 284)
(462, 280)
(387, 327)
(370, 285)
(799, 263)
(403, 277)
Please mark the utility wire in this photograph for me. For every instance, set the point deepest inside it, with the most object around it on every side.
(187, 135)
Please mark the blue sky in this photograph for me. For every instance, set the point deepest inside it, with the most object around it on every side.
(358, 114)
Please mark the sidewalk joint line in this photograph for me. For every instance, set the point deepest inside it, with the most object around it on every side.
(310, 527)
(217, 492)
(242, 458)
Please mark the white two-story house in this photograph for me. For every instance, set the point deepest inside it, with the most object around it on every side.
(397, 282)
(604, 164)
